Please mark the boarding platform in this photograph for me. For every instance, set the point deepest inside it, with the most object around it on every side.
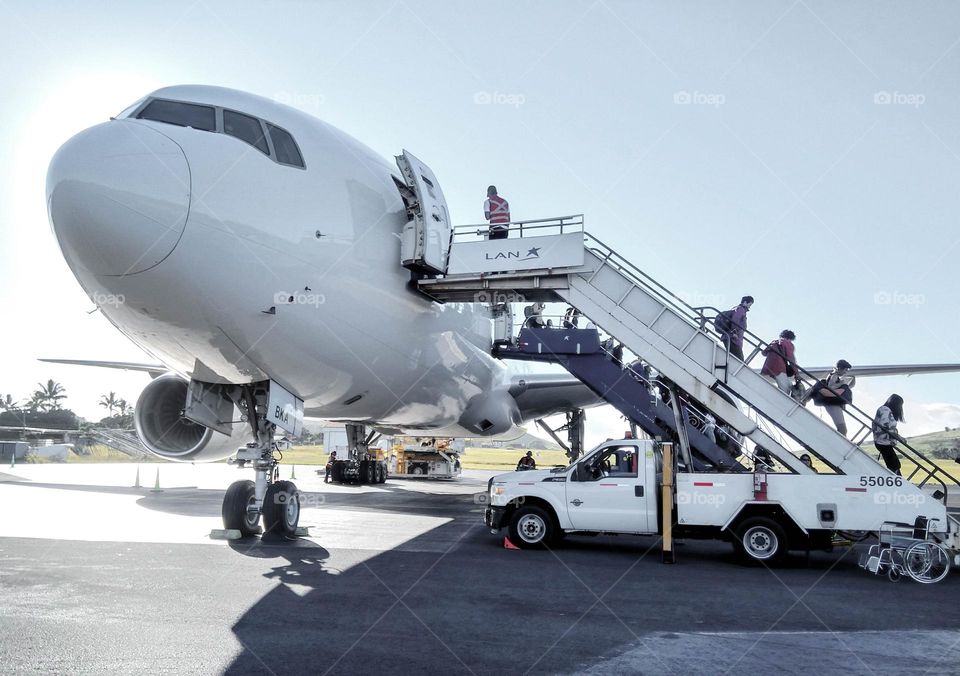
(556, 260)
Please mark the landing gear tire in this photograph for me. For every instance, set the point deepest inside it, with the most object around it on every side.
(236, 512)
(371, 475)
(761, 540)
(336, 472)
(382, 468)
(531, 528)
(281, 509)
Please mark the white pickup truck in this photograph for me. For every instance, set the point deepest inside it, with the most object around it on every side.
(616, 488)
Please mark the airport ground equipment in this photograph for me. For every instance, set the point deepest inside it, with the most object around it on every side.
(430, 457)
(359, 461)
(556, 260)
(628, 388)
(904, 549)
(625, 487)
(574, 426)
(125, 441)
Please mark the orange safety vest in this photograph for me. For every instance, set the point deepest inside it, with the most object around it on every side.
(499, 210)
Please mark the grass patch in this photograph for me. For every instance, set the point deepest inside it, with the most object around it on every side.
(305, 455)
(506, 459)
(100, 453)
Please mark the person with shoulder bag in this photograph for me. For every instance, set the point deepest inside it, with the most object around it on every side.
(834, 392)
(781, 362)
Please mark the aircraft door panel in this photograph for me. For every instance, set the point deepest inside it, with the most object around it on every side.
(425, 243)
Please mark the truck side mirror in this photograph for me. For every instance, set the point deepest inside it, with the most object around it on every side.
(582, 473)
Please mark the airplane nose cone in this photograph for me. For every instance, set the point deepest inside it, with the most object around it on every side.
(118, 196)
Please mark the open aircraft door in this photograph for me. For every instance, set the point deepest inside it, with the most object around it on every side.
(425, 244)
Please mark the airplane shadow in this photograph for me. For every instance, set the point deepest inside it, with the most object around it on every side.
(453, 600)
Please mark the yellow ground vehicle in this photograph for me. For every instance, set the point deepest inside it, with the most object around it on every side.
(425, 457)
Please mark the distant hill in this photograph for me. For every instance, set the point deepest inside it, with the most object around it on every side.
(944, 444)
(526, 441)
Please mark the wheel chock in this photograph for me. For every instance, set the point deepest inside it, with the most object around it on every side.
(302, 531)
(225, 534)
(508, 545)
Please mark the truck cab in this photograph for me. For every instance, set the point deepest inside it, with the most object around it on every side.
(612, 488)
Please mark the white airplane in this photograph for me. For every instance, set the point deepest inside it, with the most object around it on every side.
(254, 252)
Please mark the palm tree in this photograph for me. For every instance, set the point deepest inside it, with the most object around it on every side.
(125, 408)
(36, 402)
(110, 402)
(8, 403)
(49, 396)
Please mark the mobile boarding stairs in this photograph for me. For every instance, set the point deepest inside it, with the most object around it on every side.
(556, 260)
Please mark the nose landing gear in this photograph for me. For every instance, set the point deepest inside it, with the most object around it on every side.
(275, 502)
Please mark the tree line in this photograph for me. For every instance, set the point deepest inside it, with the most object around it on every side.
(45, 407)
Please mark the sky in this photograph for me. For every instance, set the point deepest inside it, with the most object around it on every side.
(804, 152)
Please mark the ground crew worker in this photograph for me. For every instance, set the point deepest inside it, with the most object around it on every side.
(330, 461)
(527, 462)
(497, 211)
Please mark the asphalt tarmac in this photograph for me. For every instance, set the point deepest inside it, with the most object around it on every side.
(97, 576)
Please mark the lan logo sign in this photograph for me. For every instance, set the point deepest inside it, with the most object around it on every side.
(533, 252)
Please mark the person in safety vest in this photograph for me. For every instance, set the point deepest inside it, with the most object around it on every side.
(497, 211)
(527, 462)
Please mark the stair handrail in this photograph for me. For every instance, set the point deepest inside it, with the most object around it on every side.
(688, 406)
(864, 419)
(696, 319)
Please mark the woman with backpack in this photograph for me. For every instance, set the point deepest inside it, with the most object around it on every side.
(885, 431)
(731, 324)
(781, 363)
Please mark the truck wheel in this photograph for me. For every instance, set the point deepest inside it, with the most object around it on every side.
(531, 527)
(761, 540)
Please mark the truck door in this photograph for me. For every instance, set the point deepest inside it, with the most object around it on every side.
(425, 242)
(607, 491)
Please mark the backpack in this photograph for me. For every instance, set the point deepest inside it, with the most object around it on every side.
(723, 322)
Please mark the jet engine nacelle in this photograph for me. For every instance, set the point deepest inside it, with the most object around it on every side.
(491, 413)
(160, 424)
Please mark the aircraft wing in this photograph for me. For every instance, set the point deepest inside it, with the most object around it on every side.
(542, 394)
(153, 369)
(888, 370)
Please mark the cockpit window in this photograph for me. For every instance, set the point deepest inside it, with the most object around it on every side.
(180, 114)
(126, 112)
(246, 129)
(285, 147)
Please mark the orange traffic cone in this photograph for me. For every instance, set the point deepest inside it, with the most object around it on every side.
(508, 545)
